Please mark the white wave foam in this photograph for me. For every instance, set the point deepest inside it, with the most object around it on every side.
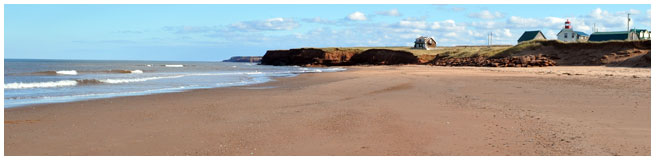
(174, 65)
(130, 80)
(136, 72)
(336, 69)
(315, 70)
(67, 72)
(21, 85)
(252, 73)
(149, 65)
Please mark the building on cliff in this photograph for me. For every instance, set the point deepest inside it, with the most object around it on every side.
(423, 42)
(531, 35)
(567, 34)
(643, 34)
(615, 35)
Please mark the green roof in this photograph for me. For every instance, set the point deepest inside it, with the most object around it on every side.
(605, 36)
(528, 35)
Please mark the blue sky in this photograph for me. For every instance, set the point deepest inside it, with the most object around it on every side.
(216, 32)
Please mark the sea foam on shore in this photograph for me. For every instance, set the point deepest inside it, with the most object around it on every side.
(45, 81)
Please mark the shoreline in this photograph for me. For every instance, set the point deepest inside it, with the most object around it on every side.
(267, 77)
(540, 70)
(272, 79)
(370, 110)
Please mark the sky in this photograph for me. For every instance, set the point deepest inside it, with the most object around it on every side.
(214, 32)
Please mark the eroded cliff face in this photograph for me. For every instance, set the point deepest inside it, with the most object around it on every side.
(384, 57)
(550, 53)
(307, 57)
(293, 57)
(511, 61)
(613, 53)
(544, 53)
(332, 57)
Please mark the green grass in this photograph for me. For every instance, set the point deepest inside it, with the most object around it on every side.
(465, 51)
(456, 51)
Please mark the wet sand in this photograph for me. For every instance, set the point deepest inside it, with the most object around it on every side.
(376, 110)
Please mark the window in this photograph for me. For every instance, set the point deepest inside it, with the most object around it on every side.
(565, 35)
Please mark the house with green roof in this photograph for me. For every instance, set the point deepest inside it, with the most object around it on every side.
(531, 35)
(615, 35)
(643, 34)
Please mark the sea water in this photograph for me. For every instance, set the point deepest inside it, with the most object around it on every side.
(32, 81)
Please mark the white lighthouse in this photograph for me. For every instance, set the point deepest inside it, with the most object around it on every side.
(567, 34)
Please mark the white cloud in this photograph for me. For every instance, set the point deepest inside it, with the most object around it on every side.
(598, 13)
(605, 19)
(475, 34)
(634, 11)
(523, 22)
(412, 24)
(506, 33)
(447, 25)
(648, 13)
(319, 20)
(393, 12)
(485, 14)
(271, 24)
(550, 34)
(451, 34)
(486, 24)
(356, 16)
(446, 31)
(533, 23)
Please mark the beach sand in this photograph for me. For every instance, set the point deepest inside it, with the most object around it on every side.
(373, 110)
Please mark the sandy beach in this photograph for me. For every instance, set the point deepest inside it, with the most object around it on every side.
(366, 110)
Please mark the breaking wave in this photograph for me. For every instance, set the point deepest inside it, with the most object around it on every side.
(74, 72)
(21, 85)
(67, 72)
(59, 72)
(65, 83)
(121, 71)
(174, 65)
(130, 80)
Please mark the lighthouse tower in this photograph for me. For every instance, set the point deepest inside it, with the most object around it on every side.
(568, 34)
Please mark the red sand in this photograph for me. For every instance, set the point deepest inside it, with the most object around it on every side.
(381, 110)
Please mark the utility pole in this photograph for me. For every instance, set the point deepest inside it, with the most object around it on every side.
(489, 39)
(628, 21)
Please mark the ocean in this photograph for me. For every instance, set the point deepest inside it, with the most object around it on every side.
(32, 81)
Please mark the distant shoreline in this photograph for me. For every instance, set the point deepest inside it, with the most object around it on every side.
(109, 60)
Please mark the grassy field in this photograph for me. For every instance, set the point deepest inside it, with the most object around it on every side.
(467, 51)
(455, 51)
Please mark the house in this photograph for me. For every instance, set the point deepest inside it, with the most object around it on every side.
(568, 34)
(616, 35)
(423, 42)
(643, 34)
(531, 35)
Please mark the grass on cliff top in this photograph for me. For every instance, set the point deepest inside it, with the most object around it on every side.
(455, 51)
(465, 51)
